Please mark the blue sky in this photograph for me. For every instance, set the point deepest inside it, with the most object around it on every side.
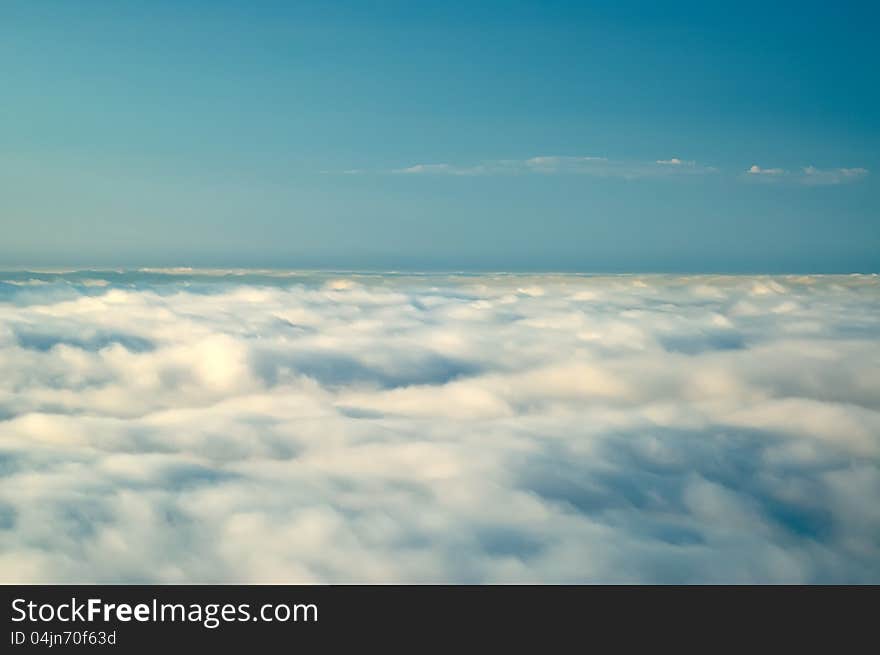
(514, 135)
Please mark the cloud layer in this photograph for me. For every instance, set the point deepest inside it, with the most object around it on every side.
(248, 427)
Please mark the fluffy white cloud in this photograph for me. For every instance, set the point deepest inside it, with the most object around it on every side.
(183, 427)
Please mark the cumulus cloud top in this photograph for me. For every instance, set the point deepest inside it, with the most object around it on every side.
(160, 426)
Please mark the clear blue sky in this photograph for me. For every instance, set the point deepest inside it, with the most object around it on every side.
(429, 135)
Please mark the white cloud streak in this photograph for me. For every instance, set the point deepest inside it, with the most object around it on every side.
(757, 170)
(563, 165)
(621, 169)
(809, 175)
(305, 428)
(813, 175)
(675, 161)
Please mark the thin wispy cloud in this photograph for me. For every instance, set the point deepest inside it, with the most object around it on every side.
(757, 171)
(813, 175)
(675, 161)
(563, 165)
(808, 175)
(613, 168)
(439, 169)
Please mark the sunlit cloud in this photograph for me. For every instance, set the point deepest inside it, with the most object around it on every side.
(242, 426)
